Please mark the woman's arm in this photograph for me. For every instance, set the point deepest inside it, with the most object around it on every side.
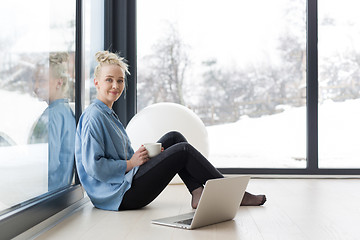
(98, 165)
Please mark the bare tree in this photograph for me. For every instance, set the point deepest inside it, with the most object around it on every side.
(162, 73)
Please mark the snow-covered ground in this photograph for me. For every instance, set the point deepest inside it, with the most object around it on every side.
(23, 168)
(18, 114)
(268, 141)
(23, 173)
(279, 141)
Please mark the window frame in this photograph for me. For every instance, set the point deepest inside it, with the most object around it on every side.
(312, 165)
(26, 215)
(120, 37)
(36, 211)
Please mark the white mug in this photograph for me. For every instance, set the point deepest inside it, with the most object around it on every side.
(153, 149)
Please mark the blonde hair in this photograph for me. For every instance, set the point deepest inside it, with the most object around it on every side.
(59, 67)
(106, 58)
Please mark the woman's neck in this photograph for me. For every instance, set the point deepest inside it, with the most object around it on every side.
(106, 103)
(56, 97)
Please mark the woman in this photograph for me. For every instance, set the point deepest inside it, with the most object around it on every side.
(56, 126)
(113, 175)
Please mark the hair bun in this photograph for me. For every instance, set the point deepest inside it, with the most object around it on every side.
(106, 57)
(101, 56)
(58, 57)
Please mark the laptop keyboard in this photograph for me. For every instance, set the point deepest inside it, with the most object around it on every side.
(186, 221)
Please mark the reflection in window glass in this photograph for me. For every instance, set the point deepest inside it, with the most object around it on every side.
(37, 125)
(339, 84)
(239, 65)
(94, 42)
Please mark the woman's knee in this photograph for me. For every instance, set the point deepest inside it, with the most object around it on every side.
(184, 149)
(176, 153)
(178, 136)
(172, 138)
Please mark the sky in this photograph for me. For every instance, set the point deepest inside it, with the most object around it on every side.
(233, 31)
(31, 23)
(201, 24)
(238, 32)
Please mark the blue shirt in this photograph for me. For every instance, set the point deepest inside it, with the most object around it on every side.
(101, 150)
(62, 129)
(57, 127)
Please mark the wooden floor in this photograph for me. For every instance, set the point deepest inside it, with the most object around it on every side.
(321, 209)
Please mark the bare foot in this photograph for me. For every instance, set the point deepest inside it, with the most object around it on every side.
(196, 194)
(253, 200)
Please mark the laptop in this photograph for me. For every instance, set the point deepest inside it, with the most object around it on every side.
(219, 202)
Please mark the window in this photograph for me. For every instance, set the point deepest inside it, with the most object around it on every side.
(258, 48)
(37, 79)
(37, 125)
(339, 84)
(240, 66)
(38, 34)
(94, 42)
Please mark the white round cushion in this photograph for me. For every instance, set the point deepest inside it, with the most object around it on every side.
(151, 123)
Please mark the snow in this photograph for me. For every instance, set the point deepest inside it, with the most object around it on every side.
(23, 173)
(279, 141)
(19, 112)
(23, 167)
(268, 141)
(339, 134)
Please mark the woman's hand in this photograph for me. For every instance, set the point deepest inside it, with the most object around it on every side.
(140, 157)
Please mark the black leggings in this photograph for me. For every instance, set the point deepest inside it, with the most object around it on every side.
(178, 157)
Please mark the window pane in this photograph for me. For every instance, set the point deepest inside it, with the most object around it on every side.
(93, 41)
(239, 65)
(37, 124)
(339, 84)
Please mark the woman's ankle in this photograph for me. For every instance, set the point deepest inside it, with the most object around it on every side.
(196, 194)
